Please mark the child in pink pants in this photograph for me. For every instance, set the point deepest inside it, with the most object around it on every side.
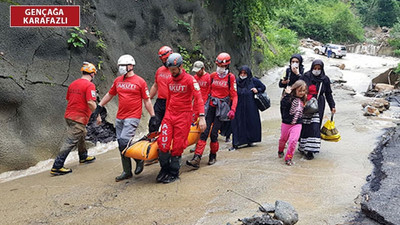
(292, 105)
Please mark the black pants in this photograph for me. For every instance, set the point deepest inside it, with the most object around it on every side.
(159, 110)
(211, 119)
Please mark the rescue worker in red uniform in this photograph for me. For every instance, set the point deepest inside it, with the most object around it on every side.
(160, 87)
(203, 78)
(131, 90)
(175, 127)
(81, 97)
(220, 106)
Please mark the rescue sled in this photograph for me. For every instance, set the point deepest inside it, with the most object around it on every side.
(146, 148)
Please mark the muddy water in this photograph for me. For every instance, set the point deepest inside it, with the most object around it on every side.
(322, 190)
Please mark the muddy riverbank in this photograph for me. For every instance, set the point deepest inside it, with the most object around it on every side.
(323, 191)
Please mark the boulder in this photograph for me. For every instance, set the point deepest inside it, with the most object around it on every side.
(267, 207)
(371, 111)
(286, 213)
(378, 103)
(264, 219)
(380, 87)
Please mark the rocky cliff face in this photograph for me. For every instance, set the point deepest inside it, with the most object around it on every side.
(37, 64)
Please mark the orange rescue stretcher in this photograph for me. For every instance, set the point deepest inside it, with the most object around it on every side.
(147, 148)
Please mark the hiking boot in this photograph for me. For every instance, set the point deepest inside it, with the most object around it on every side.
(170, 178)
(289, 162)
(195, 162)
(161, 176)
(139, 166)
(89, 159)
(280, 154)
(61, 171)
(212, 159)
(309, 156)
(123, 176)
(233, 148)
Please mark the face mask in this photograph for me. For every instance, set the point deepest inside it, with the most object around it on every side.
(122, 70)
(316, 72)
(242, 77)
(220, 70)
(295, 65)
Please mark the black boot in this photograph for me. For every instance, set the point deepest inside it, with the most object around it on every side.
(127, 169)
(139, 166)
(164, 160)
(309, 156)
(212, 159)
(174, 167)
(195, 162)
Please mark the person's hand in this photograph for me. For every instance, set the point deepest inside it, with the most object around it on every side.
(98, 119)
(254, 90)
(202, 123)
(285, 81)
(333, 110)
(295, 70)
(153, 124)
(231, 115)
(288, 90)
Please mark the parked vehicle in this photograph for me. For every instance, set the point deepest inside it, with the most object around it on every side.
(337, 50)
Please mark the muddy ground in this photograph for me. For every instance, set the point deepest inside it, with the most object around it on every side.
(325, 190)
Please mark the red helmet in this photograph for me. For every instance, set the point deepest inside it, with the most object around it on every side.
(223, 59)
(164, 52)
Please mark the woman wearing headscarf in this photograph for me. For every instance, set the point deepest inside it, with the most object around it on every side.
(293, 72)
(246, 126)
(317, 81)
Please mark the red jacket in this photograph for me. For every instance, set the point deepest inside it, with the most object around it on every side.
(162, 76)
(220, 89)
(205, 84)
(181, 91)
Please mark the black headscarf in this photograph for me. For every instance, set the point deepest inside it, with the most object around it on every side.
(244, 82)
(321, 77)
(301, 66)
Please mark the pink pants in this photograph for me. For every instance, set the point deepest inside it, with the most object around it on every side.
(289, 132)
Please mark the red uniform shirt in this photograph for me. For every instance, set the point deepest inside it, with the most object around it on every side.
(79, 93)
(131, 91)
(162, 76)
(181, 91)
(204, 82)
(220, 88)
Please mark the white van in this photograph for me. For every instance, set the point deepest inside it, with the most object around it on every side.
(337, 50)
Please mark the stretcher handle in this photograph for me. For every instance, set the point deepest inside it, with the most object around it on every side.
(332, 116)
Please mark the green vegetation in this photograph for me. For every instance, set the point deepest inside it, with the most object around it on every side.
(184, 24)
(190, 56)
(76, 39)
(377, 12)
(9, 1)
(275, 42)
(101, 44)
(322, 20)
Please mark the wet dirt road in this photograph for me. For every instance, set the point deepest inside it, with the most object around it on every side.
(323, 191)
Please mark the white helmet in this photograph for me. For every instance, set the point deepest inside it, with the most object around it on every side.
(126, 60)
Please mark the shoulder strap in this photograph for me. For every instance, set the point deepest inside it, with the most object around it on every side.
(319, 90)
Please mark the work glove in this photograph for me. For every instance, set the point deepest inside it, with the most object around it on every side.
(153, 124)
(97, 111)
(231, 114)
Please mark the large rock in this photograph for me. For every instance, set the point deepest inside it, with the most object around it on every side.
(37, 64)
(286, 213)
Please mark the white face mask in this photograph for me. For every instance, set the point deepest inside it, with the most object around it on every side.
(243, 77)
(122, 70)
(220, 70)
(295, 65)
(316, 72)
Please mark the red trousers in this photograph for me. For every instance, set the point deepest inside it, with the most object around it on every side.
(175, 128)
